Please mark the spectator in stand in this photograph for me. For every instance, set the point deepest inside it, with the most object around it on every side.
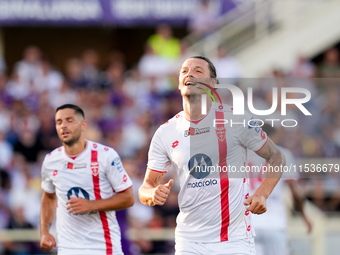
(303, 68)
(156, 69)
(163, 43)
(330, 65)
(66, 94)
(90, 68)
(74, 73)
(17, 87)
(48, 79)
(203, 21)
(29, 67)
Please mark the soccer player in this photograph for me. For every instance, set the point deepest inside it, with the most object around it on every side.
(85, 182)
(214, 207)
(271, 227)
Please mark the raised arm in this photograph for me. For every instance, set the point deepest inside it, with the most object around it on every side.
(275, 159)
(151, 192)
(47, 214)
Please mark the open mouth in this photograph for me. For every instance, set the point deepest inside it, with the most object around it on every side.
(190, 83)
(64, 134)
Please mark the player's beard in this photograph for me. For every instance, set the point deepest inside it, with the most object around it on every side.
(73, 140)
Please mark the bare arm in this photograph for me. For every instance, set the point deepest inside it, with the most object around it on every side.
(119, 201)
(47, 214)
(274, 158)
(298, 201)
(152, 192)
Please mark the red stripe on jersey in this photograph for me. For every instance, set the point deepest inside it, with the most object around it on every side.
(224, 180)
(103, 217)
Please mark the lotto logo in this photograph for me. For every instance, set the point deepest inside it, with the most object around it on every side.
(175, 144)
(55, 172)
(124, 178)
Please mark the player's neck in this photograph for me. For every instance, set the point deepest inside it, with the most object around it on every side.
(192, 107)
(75, 148)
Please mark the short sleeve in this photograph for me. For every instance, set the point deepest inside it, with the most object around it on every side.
(158, 158)
(116, 173)
(251, 134)
(46, 181)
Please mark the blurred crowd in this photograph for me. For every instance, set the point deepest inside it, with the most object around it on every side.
(124, 105)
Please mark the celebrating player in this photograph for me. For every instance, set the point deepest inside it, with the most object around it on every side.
(85, 182)
(214, 207)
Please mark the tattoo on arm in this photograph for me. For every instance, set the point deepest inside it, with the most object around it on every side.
(158, 179)
(272, 154)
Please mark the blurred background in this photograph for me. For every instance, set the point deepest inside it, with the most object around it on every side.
(119, 61)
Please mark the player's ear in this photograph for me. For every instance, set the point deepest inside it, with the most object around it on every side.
(83, 125)
(213, 82)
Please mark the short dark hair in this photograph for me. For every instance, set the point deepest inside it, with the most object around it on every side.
(76, 108)
(212, 68)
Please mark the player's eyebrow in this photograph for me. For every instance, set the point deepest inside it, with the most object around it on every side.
(195, 67)
(67, 118)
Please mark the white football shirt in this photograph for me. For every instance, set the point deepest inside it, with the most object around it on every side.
(210, 199)
(96, 173)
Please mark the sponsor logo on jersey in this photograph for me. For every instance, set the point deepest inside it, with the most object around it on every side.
(124, 178)
(55, 172)
(196, 131)
(75, 166)
(80, 193)
(95, 168)
(254, 124)
(120, 169)
(116, 162)
(220, 132)
(199, 166)
(175, 144)
(199, 184)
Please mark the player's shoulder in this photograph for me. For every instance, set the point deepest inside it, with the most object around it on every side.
(173, 121)
(226, 108)
(54, 155)
(101, 148)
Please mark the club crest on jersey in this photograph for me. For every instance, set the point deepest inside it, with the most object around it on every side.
(196, 131)
(95, 168)
(220, 132)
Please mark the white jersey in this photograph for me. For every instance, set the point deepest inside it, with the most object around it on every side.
(96, 173)
(210, 200)
(275, 217)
